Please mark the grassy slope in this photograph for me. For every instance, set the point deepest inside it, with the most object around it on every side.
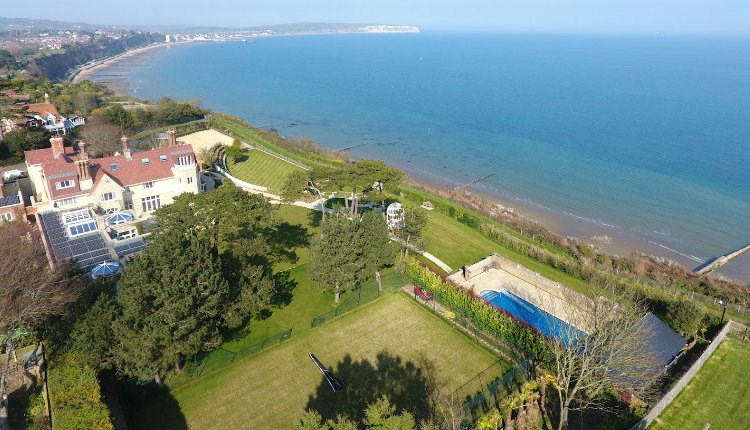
(457, 244)
(260, 168)
(271, 390)
(719, 394)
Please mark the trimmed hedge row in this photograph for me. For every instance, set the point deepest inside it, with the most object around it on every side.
(524, 339)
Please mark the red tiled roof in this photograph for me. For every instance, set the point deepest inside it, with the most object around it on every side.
(43, 108)
(44, 156)
(127, 173)
(134, 171)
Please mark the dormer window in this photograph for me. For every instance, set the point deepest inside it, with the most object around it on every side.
(162, 158)
(184, 160)
(113, 166)
(65, 184)
(145, 161)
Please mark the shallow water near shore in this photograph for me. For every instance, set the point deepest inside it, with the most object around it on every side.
(645, 140)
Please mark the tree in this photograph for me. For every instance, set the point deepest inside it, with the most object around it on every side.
(245, 232)
(379, 415)
(408, 232)
(102, 137)
(377, 177)
(84, 102)
(380, 250)
(303, 182)
(336, 257)
(234, 152)
(17, 141)
(120, 117)
(611, 352)
(29, 292)
(684, 316)
(173, 298)
(7, 60)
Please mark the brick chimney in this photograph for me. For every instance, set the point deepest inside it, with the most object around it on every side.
(58, 146)
(125, 148)
(83, 169)
(47, 99)
(172, 137)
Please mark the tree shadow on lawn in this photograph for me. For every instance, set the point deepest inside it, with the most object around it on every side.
(408, 385)
(285, 238)
(148, 406)
(314, 218)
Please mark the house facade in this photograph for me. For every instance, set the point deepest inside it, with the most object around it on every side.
(46, 115)
(63, 179)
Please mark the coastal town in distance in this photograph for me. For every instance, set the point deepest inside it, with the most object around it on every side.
(389, 216)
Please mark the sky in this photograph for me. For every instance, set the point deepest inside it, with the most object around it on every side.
(579, 16)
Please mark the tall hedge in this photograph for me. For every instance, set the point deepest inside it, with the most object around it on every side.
(526, 340)
(75, 397)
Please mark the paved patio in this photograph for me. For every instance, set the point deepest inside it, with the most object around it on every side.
(549, 296)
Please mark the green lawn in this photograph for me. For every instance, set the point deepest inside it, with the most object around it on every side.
(260, 168)
(719, 394)
(457, 244)
(391, 346)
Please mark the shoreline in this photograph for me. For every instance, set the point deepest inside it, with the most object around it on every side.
(605, 238)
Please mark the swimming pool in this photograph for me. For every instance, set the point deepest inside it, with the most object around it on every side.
(546, 323)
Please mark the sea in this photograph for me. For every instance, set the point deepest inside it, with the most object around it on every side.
(636, 141)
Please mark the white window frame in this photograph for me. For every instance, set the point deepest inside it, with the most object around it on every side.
(7, 216)
(184, 160)
(190, 179)
(76, 216)
(109, 195)
(69, 201)
(150, 203)
(147, 185)
(68, 183)
(85, 227)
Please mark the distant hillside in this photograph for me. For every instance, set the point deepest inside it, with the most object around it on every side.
(26, 24)
(56, 66)
(320, 27)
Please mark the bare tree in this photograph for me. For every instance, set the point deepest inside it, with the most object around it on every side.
(605, 347)
(102, 137)
(29, 291)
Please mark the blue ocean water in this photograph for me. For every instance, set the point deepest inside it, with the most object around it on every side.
(642, 137)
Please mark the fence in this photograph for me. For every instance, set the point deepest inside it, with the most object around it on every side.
(677, 388)
(493, 392)
(209, 362)
(482, 331)
(363, 294)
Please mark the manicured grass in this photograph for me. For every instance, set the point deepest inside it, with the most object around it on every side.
(260, 168)
(391, 345)
(457, 244)
(293, 218)
(719, 394)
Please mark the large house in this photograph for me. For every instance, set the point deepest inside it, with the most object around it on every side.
(46, 115)
(75, 196)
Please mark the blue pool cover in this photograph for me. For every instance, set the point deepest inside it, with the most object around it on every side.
(547, 324)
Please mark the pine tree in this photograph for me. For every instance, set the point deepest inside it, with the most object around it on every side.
(173, 298)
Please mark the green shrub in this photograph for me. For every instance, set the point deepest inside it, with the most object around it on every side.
(524, 339)
(684, 316)
(75, 397)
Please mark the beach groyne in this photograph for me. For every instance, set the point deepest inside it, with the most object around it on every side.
(714, 264)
